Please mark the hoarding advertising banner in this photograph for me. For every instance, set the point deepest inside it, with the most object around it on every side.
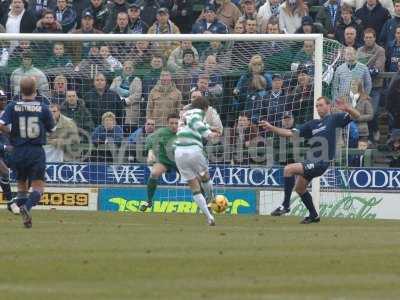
(65, 199)
(353, 205)
(169, 200)
(259, 177)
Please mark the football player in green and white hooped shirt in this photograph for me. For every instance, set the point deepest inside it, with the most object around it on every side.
(189, 155)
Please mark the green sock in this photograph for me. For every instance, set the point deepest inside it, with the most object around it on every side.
(151, 188)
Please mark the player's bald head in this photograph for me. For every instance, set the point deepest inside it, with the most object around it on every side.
(27, 86)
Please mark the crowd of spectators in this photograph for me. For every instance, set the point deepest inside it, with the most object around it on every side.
(115, 90)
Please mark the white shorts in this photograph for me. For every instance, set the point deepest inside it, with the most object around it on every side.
(191, 162)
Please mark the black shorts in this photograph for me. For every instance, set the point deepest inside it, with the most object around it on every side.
(314, 169)
(29, 163)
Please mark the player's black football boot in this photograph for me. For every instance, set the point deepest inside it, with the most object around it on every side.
(309, 220)
(280, 211)
(146, 205)
(26, 216)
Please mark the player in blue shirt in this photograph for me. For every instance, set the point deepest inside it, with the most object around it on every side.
(30, 120)
(4, 162)
(321, 136)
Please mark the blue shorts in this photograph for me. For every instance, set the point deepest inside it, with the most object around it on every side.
(314, 169)
(29, 162)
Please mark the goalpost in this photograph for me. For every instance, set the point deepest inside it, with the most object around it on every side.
(280, 54)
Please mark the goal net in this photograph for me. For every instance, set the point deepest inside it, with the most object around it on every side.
(114, 91)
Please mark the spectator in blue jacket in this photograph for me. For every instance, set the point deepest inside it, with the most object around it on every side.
(373, 15)
(65, 15)
(256, 100)
(108, 132)
(388, 29)
(210, 23)
(393, 52)
(256, 67)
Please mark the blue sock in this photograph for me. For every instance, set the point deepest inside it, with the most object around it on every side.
(288, 183)
(6, 191)
(307, 200)
(33, 199)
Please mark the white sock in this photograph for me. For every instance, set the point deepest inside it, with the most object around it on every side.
(208, 188)
(201, 202)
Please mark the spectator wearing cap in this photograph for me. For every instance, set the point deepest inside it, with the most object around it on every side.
(80, 50)
(301, 103)
(79, 7)
(374, 57)
(136, 24)
(373, 15)
(27, 69)
(308, 26)
(393, 52)
(349, 71)
(48, 23)
(182, 14)
(328, 15)
(19, 19)
(269, 9)
(175, 59)
(209, 23)
(114, 7)
(66, 16)
(99, 11)
(347, 19)
(227, 13)
(291, 13)
(163, 25)
(87, 23)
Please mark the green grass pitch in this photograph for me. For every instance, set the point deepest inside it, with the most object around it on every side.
(80, 255)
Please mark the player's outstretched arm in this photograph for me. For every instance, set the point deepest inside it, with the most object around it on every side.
(279, 131)
(346, 107)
